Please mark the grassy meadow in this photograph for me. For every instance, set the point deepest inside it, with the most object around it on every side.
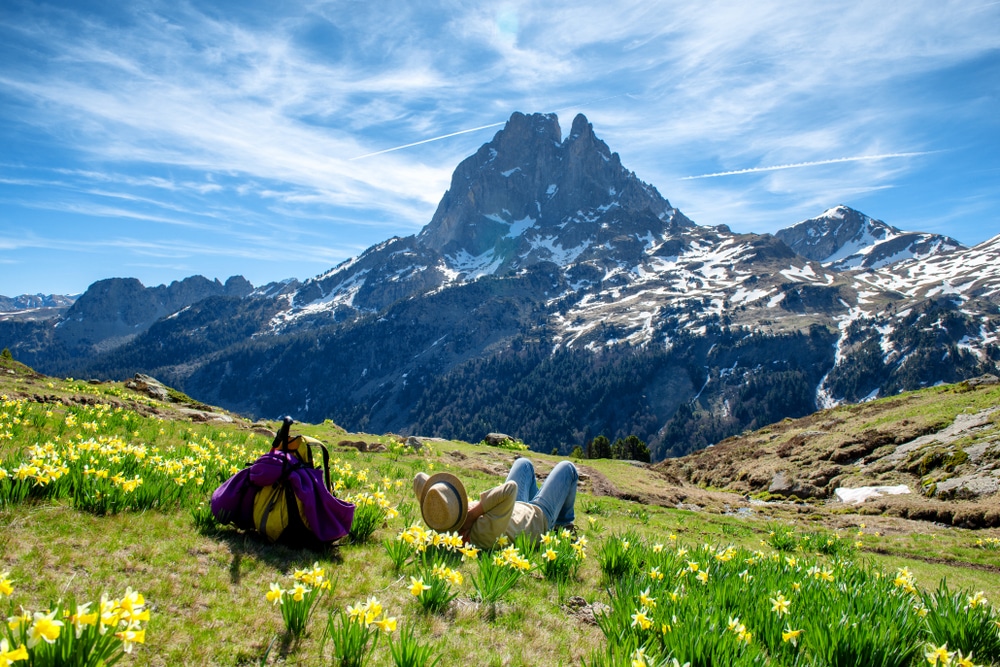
(103, 500)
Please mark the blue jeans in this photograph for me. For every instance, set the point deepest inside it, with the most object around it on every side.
(557, 495)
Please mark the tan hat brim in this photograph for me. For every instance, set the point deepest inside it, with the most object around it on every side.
(454, 483)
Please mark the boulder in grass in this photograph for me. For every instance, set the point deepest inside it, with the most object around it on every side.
(496, 439)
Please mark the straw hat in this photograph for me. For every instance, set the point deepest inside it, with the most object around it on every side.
(444, 503)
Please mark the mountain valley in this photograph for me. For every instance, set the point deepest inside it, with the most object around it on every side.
(556, 297)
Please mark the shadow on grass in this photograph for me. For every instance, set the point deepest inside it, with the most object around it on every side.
(242, 544)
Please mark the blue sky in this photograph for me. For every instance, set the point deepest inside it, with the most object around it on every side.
(160, 140)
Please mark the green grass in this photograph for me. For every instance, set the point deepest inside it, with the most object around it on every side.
(206, 589)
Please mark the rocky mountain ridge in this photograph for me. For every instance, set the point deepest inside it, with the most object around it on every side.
(31, 307)
(842, 238)
(555, 296)
(34, 301)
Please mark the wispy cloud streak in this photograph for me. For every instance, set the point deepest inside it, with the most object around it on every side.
(811, 163)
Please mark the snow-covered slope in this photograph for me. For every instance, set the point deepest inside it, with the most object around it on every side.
(966, 274)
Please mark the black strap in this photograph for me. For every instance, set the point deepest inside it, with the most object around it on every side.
(326, 466)
(281, 438)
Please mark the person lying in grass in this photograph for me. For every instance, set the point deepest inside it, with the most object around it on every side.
(517, 506)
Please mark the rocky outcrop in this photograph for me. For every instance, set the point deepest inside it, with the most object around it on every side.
(784, 484)
(150, 386)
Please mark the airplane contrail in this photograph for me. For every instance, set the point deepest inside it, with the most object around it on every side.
(796, 165)
(426, 141)
(473, 129)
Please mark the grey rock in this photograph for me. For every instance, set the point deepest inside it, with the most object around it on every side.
(966, 487)
(578, 608)
(359, 445)
(205, 416)
(982, 380)
(784, 484)
(144, 384)
(496, 439)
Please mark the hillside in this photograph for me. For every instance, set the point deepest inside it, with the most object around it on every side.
(941, 443)
(204, 586)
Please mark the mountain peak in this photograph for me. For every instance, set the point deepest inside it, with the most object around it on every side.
(529, 196)
(844, 238)
(581, 126)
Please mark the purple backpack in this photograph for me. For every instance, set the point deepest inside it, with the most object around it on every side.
(310, 515)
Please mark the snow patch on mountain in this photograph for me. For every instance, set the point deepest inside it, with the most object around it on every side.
(518, 227)
(471, 267)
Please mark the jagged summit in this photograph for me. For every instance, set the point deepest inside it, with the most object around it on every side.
(529, 196)
(843, 238)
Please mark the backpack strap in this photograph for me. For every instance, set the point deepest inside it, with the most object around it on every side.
(272, 501)
(281, 438)
(326, 467)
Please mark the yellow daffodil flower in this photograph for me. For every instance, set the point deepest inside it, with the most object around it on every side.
(44, 628)
(386, 624)
(965, 660)
(356, 613)
(6, 585)
(938, 655)
(417, 586)
(551, 555)
(131, 637)
(83, 617)
(8, 657)
(640, 619)
(779, 604)
(299, 592)
(790, 636)
(645, 600)
(978, 600)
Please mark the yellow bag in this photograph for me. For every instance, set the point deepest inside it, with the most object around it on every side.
(271, 511)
